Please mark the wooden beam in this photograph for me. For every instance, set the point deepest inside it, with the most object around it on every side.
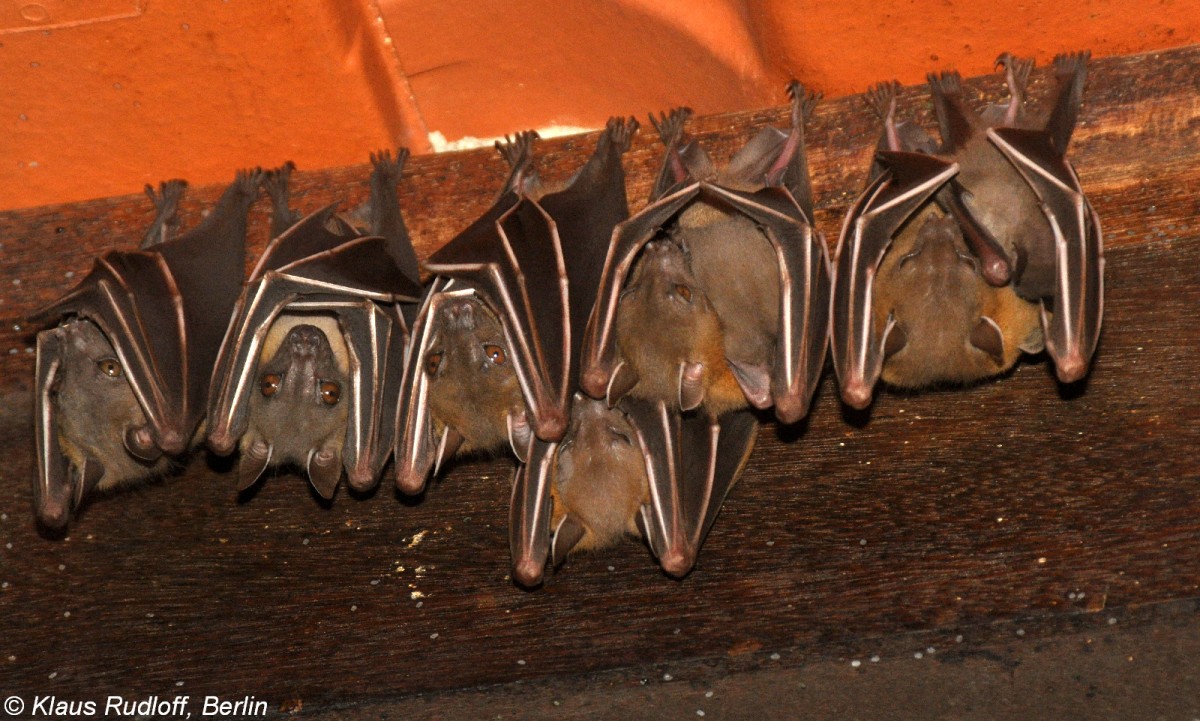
(944, 510)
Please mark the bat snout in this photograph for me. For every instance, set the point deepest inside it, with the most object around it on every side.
(305, 340)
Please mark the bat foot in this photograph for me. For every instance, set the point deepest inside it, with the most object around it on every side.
(620, 132)
(1068, 65)
(804, 101)
(882, 99)
(670, 126)
(276, 181)
(246, 184)
(947, 83)
(388, 168)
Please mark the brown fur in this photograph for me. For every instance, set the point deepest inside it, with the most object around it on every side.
(600, 477)
(658, 330)
(930, 283)
(469, 392)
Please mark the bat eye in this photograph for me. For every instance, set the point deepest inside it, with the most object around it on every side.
(109, 367)
(618, 435)
(270, 384)
(495, 354)
(684, 292)
(331, 393)
(433, 361)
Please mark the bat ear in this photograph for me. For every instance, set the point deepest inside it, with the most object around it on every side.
(1035, 342)
(324, 471)
(139, 441)
(691, 385)
(449, 444)
(623, 380)
(987, 337)
(566, 537)
(894, 341)
(520, 435)
(255, 458)
(755, 380)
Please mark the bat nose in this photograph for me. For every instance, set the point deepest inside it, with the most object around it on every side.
(305, 340)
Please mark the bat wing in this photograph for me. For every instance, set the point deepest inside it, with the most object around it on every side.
(57, 489)
(1072, 325)
(417, 452)
(352, 284)
(132, 297)
(529, 513)
(805, 289)
(517, 266)
(692, 461)
(599, 354)
(907, 183)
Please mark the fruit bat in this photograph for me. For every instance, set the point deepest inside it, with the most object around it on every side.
(716, 294)
(957, 257)
(315, 347)
(643, 469)
(123, 377)
(492, 357)
(639, 468)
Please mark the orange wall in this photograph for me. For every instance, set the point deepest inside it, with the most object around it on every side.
(102, 96)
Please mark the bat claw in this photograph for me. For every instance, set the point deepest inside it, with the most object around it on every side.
(670, 126)
(804, 101)
(621, 131)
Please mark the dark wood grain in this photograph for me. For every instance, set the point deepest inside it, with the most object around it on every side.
(943, 510)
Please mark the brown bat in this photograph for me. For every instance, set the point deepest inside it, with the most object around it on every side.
(491, 361)
(122, 379)
(957, 258)
(316, 344)
(642, 469)
(715, 295)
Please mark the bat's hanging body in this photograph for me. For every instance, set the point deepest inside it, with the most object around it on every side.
(314, 353)
(715, 295)
(957, 258)
(123, 379)
(491, 362)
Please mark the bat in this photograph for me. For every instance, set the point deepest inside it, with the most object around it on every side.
(123, 375)
(641, 469)
(716, 294)
(660, 467)
(492, 362)
(958, 257)
(315, 346)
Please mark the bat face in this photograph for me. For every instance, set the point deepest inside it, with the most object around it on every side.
(301, 402)
(599, 484)
(473, 388)
(96, 421)
(668, 330)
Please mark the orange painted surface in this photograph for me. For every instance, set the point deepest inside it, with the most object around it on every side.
(102, 96)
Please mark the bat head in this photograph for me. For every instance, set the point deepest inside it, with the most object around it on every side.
(300, 402)
(93, 433)
(473, 388)
(599, 481)
(667, 331)
(940, 320)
